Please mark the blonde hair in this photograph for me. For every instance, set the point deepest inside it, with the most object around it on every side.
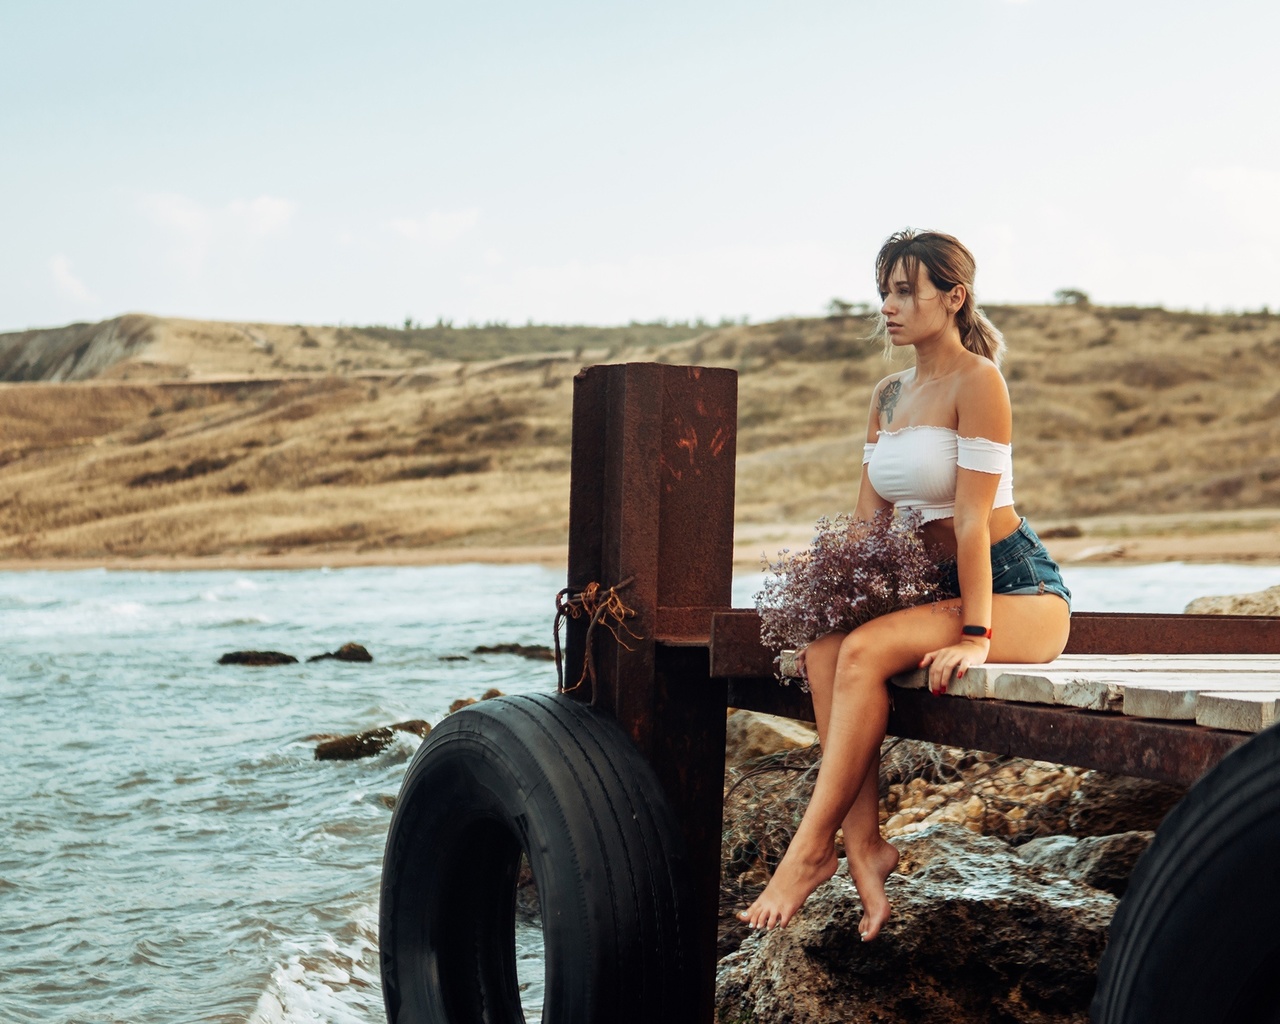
(948, 264)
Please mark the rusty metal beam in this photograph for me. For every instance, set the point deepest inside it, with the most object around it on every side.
(687, 627)
(1132, 633)
(1174, 752)
(651, 503)
(1167, 751)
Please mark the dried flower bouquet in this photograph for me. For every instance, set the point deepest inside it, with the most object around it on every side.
(853, 571)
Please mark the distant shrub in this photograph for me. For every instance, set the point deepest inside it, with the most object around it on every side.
(446, 468)
(175, 474)
(1070, 297)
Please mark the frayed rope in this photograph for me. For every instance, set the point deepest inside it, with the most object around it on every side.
(601, 605)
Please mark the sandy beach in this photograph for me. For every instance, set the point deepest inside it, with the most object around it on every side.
(1247, 537)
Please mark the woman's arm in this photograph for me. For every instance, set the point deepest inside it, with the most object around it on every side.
(869, 502)
(983, 408)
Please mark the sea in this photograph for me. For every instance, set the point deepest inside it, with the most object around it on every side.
(170, 849)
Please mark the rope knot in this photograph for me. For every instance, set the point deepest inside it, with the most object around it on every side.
(602, 606)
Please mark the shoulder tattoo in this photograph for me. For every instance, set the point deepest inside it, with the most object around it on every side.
(889, 396)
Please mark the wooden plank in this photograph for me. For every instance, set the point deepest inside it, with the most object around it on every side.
(1247, 712)
(1169, 695)
(1170, 704)
(976, 684)
(1070, 690)
(1177, 704)
(1201, 682)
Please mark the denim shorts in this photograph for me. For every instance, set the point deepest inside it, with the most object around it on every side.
(1019, 565)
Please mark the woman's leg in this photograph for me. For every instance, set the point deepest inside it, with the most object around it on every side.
(856, 716)
(871, 860)
(1026, 628)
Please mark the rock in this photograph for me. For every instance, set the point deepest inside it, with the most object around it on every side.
(369, 742)
(749, 734)
(537, 652)
(347, 652)
(977, 935)
(257, 658)
(1105, 805)
(1262, 602)
(1104, 862)
(922, 784)
(463, 702)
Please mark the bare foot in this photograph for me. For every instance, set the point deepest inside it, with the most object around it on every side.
(798, 874)
(869, 868)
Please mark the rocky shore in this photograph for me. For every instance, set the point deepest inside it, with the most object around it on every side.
(1009, 876)
(1010, 873)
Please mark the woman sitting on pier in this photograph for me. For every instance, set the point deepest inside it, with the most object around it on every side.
(938, 441)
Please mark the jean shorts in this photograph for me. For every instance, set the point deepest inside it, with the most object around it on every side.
(1019, 565)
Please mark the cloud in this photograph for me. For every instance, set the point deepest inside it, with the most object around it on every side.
(1248, 196)
(262, 216)
(439, 226)
(68, 283)
(196, 228)
(732, 280)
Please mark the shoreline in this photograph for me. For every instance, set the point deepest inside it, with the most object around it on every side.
(1137, 541)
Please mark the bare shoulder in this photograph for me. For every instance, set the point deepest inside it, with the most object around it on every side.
(894, 379)
(982, 401)
(884, 400)
(983, 377)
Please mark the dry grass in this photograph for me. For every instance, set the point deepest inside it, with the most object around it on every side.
(220, 439)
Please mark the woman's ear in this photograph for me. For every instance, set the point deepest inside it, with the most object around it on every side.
(955, 298)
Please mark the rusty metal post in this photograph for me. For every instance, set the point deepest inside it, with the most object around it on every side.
(651, 502)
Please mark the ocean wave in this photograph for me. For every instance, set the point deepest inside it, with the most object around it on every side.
(327, 979)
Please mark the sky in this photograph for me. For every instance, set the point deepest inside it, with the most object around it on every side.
(572, 162)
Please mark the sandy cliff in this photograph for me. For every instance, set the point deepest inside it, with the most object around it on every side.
(1148, 432)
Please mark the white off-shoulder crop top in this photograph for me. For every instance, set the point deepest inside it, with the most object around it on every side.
(915, 468)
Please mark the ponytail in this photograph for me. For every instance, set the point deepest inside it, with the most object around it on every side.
(977, 333)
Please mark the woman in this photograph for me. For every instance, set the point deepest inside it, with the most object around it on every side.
(938, 440)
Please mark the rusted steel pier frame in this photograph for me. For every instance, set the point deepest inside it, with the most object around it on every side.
(651, 500)
(1166, 751)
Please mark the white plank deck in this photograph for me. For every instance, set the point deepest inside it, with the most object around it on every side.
(1238, 692)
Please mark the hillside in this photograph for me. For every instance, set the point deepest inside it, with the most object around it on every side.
(185, 438)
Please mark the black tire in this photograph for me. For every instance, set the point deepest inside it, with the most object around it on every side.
(561, 783)
(1195, 939)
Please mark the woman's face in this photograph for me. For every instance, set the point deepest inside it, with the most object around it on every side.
(914, 313)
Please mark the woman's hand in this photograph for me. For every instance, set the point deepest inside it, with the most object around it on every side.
(952, 661)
